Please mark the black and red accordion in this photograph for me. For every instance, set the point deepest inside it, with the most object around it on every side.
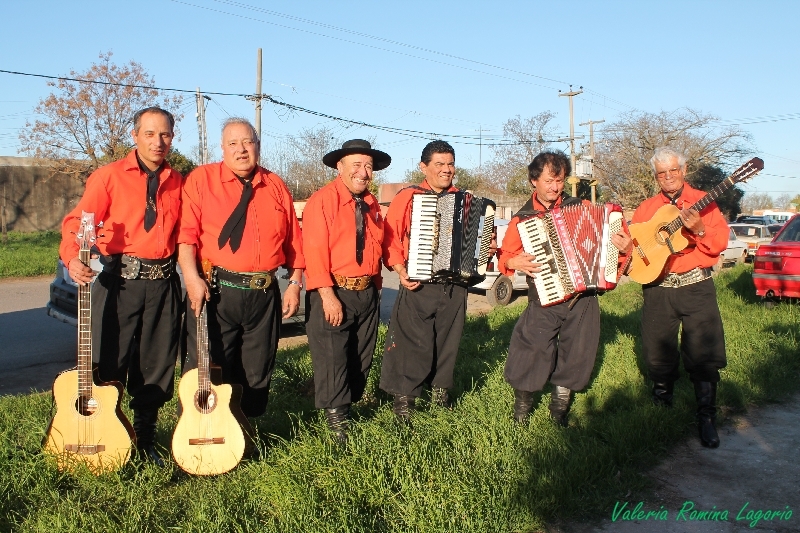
(573, 244)
(450, 237)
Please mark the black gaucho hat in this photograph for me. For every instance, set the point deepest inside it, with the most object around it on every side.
(380, 160)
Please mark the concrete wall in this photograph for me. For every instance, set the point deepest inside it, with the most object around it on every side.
(35, 199)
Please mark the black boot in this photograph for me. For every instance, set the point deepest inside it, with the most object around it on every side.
(559, 404)
(440, 397)
(663, 392)
(706, 394)
(402, 407)
(338, 421)
(144, 425)
(523, 402)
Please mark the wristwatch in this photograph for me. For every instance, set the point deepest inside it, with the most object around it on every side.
(295, 282)
(700, 234)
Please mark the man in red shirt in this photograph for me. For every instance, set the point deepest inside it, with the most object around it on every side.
(685, 297)
(241, 218)
(557, 343)
(342, 239)
(428, 318)
(136, 300)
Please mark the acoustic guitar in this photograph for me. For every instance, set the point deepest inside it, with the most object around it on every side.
(660, 237)
(212, 434)
(89, 427)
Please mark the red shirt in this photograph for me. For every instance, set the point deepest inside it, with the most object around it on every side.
(271, 235)
(329, 236)
(117, 195)
(397, 226)
(700, 252)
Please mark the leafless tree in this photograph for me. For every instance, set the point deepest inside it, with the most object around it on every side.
(782, 201)
(624, 149)
(756, 200)
(86, 125)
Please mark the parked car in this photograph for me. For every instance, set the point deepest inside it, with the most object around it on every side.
(753, 235)
(764, 220)
(775, 228)
(776, 266)
(736, 252)
(499, 288)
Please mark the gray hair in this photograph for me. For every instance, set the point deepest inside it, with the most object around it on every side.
(663, 154)
(239, 120)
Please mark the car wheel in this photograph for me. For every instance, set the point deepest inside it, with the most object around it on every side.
(500, 293)
(769, 304)
(742, 258)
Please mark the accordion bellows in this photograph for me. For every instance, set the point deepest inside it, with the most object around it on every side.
(573, 244)
(450, 237)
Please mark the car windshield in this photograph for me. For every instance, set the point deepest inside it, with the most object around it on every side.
(790, 233)
(747, 231)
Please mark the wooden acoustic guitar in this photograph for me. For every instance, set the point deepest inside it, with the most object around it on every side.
(89, 427)
(212, 434)
(660, 237)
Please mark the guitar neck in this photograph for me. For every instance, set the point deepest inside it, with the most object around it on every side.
(203, 363)
(703, 202)
(84, 333)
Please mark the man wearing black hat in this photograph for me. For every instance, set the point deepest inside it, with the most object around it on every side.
(428, 318)
(343, 236)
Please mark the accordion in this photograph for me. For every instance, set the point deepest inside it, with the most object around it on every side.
(573, 244)
(451, 234)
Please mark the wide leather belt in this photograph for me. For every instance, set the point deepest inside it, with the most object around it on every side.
(695, 275)
(353, 284)
(131, 267)
(244, 280)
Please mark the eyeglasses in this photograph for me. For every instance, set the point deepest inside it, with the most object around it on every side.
(671, 172)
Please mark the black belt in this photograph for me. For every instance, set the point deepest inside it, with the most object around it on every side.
(132, 267)
(244, 280)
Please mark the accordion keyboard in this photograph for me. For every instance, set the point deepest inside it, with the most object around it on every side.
(533, 233)
(422, 236)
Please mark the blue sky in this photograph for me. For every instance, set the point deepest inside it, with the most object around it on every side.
(736, 60)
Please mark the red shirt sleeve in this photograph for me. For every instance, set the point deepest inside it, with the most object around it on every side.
(95, 200)
(510, 247)
(316, 221)
(396, 229)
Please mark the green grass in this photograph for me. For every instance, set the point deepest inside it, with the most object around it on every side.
(470, 469)
(29, 254)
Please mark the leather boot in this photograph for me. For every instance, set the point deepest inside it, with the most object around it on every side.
(338, 421)
(663, 392)
(440, 397)
(402, 406)
(144, 425)
(523, 402)
(706, 394)
(559, 404)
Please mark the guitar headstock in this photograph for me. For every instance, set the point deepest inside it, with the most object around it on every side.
(86, 235)
(747, 171)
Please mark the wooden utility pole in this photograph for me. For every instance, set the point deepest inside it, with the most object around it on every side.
(202, 130)
(258, 95)
(3, 217)
(593, 183)
(573, 179)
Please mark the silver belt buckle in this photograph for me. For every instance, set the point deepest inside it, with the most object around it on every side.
(130, 267)
(156, 272)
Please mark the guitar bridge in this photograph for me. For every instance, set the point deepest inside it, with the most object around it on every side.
(85, 449)
(206, 440)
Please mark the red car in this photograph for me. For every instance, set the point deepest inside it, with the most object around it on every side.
(776, 266)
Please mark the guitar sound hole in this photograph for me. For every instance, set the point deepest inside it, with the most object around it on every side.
(662, 235)
(205, 401)
(86, 406)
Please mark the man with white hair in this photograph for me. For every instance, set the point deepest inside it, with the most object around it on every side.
(684, 297)
(241, 218)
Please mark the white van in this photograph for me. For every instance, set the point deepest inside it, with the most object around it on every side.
(498, 287)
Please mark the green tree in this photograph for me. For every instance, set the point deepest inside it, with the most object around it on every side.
(180, 162)
(706, 177)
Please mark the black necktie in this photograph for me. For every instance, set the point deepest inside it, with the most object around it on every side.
(150, 201)
(361, 209)
(234, 227)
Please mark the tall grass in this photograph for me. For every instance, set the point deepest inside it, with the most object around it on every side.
(467, 469)
(29, 254)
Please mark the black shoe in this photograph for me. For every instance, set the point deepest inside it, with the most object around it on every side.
(144, 425)
(440, 397)
(706, 394)
(663, 393)
(523, 403)
(402, 407)
(559, 405)
(339, 421)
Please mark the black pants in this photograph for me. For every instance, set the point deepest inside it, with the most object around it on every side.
(135, 330)
(422, 341)
(694, 308)
(556, 343)
(243, 332)
(342, 355)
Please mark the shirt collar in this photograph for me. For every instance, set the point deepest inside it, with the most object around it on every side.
(132, 163)
(227, 174)
(345, 196)
(539, 206)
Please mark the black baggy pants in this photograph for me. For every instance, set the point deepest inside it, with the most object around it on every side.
(556, 343)
(693, 308)
(243, 332)
(135, 331)
(342, 355)
(423, 338)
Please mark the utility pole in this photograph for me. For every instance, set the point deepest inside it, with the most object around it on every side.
(593, 183)
(573, 179)
(258, 94)
(202, 130)
(3, 217)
